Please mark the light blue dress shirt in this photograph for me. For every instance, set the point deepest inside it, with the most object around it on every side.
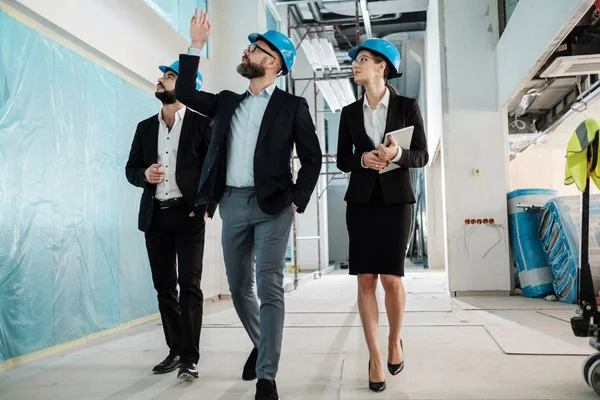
(243, 134)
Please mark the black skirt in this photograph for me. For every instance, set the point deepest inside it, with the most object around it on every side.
(379, 235)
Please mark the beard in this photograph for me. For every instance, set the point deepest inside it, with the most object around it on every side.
(251, 70)
(166, 96)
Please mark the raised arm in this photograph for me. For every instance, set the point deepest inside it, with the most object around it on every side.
(185, 88)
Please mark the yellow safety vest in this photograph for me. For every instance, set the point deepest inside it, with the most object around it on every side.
(578, 165)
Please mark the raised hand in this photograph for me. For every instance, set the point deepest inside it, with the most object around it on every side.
(200, 29)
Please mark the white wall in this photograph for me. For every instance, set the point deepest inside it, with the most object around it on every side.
(532, 27)
(473, 138)
(139, 40)
(415, 53)
(543, 167)
(128, 32)
(435, 216)
(433, 116)
(433, 81)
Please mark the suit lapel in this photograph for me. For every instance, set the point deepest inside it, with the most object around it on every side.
(186, 129)
(152, 147)
(392, 113)
(273, 108)
(360, 123)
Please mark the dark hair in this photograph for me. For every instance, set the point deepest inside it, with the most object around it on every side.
(275, 50)
(386, 72)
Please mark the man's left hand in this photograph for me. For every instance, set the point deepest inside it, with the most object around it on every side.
(389, 152)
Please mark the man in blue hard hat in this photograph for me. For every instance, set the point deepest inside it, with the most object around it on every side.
(247, 171)
(166, 158)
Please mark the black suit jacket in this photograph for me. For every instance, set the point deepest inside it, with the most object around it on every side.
(193, 144)
(396, 185)
(286, 122)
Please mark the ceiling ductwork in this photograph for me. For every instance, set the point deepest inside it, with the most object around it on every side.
(563, 85)
(387, 17)
(327, 29)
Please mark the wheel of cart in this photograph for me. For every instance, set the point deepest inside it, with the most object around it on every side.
(591, 371)
(586, 322)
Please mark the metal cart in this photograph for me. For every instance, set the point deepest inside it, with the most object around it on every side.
(587, 321)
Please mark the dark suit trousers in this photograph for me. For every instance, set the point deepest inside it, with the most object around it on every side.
(172, 235)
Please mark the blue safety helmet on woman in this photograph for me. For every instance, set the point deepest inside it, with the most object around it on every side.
(282, 43)
(175, 68)
(384, 49)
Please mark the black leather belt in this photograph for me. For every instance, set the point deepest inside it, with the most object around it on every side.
(169, 203)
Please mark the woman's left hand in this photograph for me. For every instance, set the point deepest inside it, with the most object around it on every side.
(389, 152)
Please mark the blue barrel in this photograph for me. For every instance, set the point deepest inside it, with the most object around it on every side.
(533, 267)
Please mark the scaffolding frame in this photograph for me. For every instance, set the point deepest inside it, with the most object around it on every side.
(327, 158)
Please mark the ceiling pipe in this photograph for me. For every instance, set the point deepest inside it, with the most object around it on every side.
(319, 18)
(366, 18)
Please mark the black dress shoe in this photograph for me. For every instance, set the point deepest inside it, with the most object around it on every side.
(266, 390)
(249, 373)
(169, 364)
(395, 369)
(188, 371)
(375, 386)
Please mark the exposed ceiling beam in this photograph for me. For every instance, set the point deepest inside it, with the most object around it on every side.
(366, 18)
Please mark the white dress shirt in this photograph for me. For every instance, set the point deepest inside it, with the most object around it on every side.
(168, 143)
(375, 120)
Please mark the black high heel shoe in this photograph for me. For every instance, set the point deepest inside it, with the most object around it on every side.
(375, 386)
(395, 369)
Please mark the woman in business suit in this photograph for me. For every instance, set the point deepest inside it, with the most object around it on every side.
(379, 206)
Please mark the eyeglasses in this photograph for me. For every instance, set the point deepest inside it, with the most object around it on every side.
(362, 59)
(252, 47)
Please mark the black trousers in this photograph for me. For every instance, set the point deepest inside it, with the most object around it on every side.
(172, 235)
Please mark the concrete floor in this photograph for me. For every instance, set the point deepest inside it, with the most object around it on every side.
(467, 348)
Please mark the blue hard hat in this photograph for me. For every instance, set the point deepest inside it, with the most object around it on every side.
(175, 68)
(282, 43)
(383, 48)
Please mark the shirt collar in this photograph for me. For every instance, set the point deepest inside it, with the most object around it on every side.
(178, 115)
(268, 91)
(385, 100)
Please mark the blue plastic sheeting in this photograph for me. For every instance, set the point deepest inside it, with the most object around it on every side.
(72, 261)
(560, 233)
(533, 270)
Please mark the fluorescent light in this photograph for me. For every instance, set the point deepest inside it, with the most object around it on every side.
(320, 54)
(330, 57)
(336, 92)
(366, 18)
(311, 55)
(347, 90)
(328, 95)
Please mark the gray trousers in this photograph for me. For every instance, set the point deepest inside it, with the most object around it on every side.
(250, 235)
